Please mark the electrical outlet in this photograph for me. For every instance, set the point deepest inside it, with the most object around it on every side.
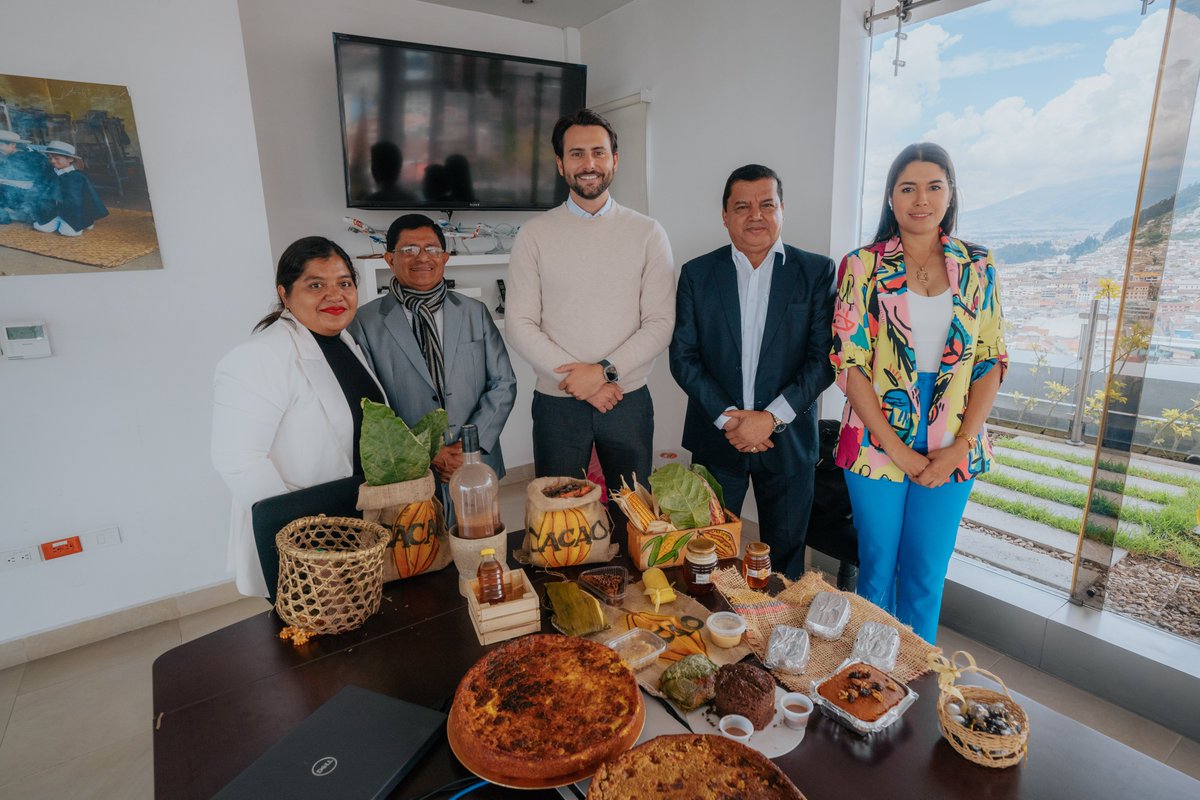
(21, 557)
(62, 547)
(103, 537)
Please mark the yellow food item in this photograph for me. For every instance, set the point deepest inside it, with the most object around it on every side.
(576, 612)
(658, 589)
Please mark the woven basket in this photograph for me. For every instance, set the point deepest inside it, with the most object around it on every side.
(330, 572)
(978, 747)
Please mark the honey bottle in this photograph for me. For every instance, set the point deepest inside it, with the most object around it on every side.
(491, 577)
(756, 566)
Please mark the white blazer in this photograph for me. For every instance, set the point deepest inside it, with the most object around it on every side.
(280, 423)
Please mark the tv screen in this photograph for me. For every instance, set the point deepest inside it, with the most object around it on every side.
(438, 128)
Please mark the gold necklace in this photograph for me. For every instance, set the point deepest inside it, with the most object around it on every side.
(922, 268)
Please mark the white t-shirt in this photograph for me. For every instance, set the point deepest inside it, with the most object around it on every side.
(930, 324)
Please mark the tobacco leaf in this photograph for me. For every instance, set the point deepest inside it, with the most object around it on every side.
(389, 450)
(683, 495)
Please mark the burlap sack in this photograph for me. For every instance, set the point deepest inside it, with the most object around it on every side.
(419, 542)
(790, 607)
(565, 531)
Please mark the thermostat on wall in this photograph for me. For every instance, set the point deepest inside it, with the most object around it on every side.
(24, 340)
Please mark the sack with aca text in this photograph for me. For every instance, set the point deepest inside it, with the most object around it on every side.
(565, 524)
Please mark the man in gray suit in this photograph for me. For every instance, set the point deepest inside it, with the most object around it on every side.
(432, 348)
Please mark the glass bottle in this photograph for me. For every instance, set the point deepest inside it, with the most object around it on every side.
(474, 490)
(491, 578)
(756, 566)
(700, 559)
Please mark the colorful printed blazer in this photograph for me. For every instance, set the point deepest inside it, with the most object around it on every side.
(872, 331)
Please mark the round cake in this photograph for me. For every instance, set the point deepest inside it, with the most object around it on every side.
(543, 707)
(747, 690)
(862, 691)
(692, 767)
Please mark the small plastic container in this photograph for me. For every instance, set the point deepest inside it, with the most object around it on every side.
(725, 628)
(638, 648)
(796, 707)
(736, 727)
(607, 583)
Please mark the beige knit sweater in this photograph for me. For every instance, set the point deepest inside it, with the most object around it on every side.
(590, 289)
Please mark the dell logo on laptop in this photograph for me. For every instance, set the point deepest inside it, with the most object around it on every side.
(324, 766)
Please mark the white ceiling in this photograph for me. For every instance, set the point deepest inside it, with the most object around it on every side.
(559, 13)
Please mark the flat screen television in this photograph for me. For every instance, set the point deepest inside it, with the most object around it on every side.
(426, 127)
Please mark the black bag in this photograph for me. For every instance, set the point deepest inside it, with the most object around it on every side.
(831, 521)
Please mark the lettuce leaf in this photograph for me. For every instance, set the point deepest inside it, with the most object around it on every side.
(389, 451)
(682, 494)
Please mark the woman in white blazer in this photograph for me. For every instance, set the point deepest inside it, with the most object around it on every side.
(287, 402)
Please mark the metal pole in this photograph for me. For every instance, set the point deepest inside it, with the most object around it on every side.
(1085, 372)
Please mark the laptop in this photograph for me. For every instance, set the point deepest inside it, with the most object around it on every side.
(360, 744)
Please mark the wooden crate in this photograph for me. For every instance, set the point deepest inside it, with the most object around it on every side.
(667, 549)
(520, 614)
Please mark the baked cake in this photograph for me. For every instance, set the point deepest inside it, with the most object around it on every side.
(690, 767)
(543, 707)
(862, 691)
(747, 690)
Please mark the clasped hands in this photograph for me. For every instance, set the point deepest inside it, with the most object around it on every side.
(930, 471)
(749, 431)
(586, 382)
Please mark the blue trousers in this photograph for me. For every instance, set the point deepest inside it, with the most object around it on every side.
(906, 535)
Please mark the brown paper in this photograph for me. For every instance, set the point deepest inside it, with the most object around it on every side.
(790, 607)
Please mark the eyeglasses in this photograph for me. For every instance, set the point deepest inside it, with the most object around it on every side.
(413, 250)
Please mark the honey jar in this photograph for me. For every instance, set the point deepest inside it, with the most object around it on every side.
(756, 566)
(699, 561)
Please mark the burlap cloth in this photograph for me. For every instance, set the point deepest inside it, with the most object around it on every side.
(790, 607)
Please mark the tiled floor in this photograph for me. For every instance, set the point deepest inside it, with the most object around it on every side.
(77, 724)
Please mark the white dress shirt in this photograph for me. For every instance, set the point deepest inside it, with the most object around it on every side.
(579, 211)
(754, 295)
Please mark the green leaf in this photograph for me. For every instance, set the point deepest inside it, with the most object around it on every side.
(712, 481)
(683, 494)
(436, 422)
(390, 452)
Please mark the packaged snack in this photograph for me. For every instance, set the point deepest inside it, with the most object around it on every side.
(877, 644)
(787, 650)
(828, 615)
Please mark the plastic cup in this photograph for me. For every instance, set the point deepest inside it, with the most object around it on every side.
(736, 727)
(796, 708)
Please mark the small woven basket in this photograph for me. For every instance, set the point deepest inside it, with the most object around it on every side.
(978, 747)
(330, 572)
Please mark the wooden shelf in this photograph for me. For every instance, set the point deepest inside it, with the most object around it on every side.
(487, 259)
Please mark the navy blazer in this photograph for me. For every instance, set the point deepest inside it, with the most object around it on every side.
(706, 354)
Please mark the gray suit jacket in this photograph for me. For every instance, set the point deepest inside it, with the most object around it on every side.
(480, 384)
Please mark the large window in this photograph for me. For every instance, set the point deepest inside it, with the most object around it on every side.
(1046, 109)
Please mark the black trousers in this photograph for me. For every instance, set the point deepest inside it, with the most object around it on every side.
(565, 429)
(784, 503)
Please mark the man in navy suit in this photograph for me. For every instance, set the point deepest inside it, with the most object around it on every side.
(751, 350)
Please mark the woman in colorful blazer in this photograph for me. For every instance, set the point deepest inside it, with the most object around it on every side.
(918, 346)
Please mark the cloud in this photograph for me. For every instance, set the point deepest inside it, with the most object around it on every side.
(1005, 146)
(1036, 13)
(985, 61)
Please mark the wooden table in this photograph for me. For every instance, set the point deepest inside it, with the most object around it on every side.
(224, 698)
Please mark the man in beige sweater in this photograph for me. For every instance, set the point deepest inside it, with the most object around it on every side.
(590, 305)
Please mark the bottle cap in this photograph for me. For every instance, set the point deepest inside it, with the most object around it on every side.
(487, 551)
(701, 546)
(470, 438)
(758, 549)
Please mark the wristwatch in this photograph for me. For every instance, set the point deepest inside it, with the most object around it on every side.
(779, 424)
(610, 372)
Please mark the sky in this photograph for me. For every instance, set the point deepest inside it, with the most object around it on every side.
(1022, 93)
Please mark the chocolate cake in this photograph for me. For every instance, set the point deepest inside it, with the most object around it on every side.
(747, 690)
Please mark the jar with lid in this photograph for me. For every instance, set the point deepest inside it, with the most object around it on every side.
(700, 559)
(491, 577)
(756, 566)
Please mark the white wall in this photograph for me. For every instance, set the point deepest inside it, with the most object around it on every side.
(733, 83)
(293, 89)
(114, 428)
